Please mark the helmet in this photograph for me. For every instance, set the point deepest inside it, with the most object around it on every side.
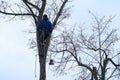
(45, 17)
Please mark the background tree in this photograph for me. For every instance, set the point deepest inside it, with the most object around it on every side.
(34, 9)
(93, 55)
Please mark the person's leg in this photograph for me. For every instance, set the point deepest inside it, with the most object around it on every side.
(42, 35)
(46, 35)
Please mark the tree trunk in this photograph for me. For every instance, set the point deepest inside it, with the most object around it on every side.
(104, 69)
(95, 73)
(42, 60)
(42, 68)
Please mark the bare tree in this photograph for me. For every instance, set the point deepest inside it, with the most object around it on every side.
(34, 9)
(91, 54)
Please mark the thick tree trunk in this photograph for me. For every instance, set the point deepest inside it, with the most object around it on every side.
(94, 73)
(42, 60)
(42, 68)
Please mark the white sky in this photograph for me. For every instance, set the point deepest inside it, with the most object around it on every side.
(17, 62)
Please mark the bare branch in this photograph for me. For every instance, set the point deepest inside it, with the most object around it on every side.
(42, 9)
(34, 17)
(16, 14)
(116, 65)
(26, 1)
(111, 74)
(59, 13)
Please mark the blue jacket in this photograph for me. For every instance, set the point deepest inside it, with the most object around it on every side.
(45, 24)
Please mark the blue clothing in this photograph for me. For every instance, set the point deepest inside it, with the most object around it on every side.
(45, 24)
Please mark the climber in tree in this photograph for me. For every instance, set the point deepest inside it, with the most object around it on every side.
(46, 26)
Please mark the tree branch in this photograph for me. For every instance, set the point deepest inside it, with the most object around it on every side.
(32, 4)
(30, 10)
(59, 13)
(116, 65)
(42, 9)
(17, 14)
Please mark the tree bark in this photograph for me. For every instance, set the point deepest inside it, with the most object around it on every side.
(42, 60)
(95, 73)
(42, 68)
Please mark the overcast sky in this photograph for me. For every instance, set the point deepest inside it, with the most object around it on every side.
(17, 61)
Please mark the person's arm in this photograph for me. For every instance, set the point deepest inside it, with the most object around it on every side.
(50, 27)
